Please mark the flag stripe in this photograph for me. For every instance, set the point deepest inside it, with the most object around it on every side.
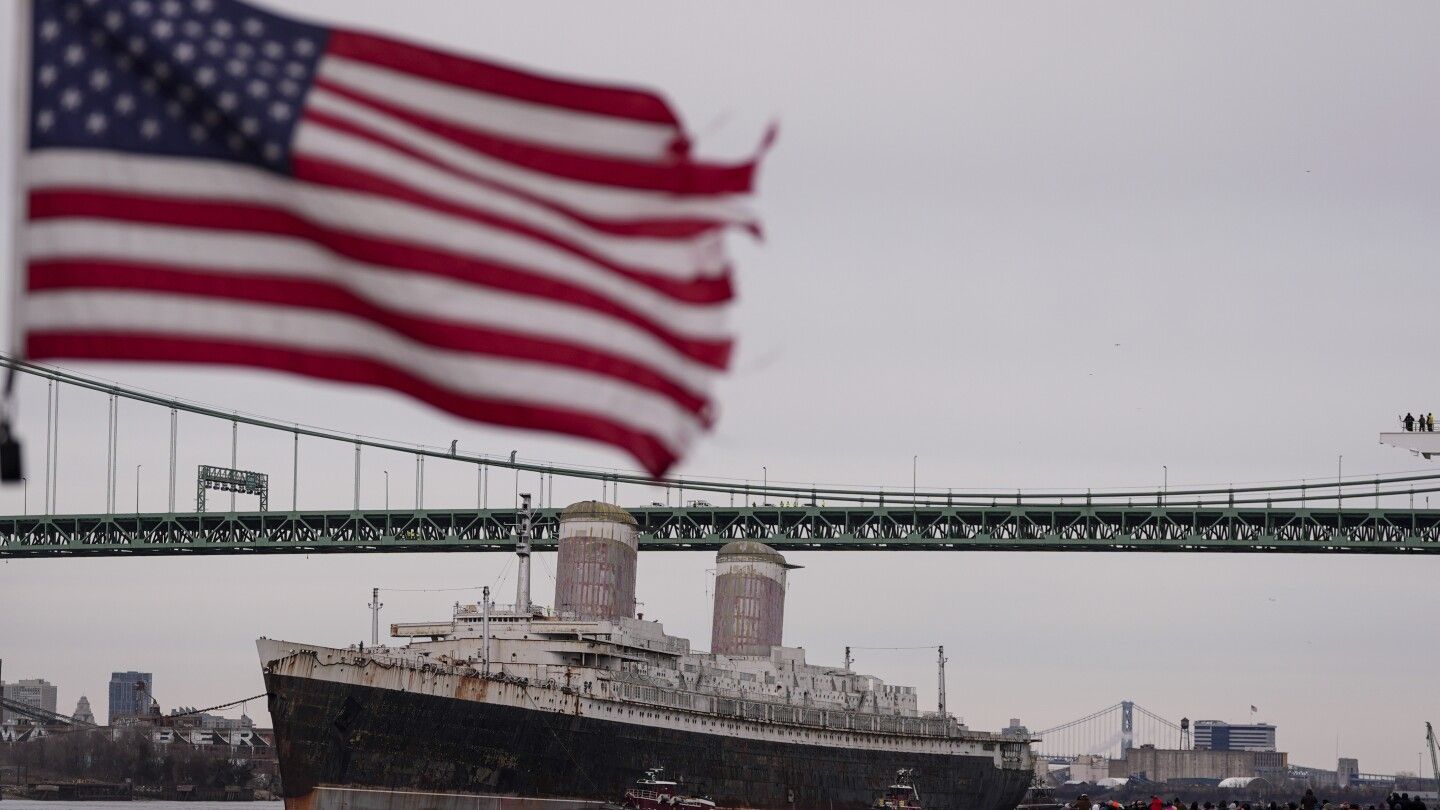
(518, 120)
(321, 122)
(489, 77)
(81, 240)
(675, 177)
(609, 203)
(705, 286)
(647, 449)
(261, 219)
(309, 294)
(224, 188)
(666, 260)
(160, 314)
(710, 289)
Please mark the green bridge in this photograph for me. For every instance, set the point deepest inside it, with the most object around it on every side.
(996, 527)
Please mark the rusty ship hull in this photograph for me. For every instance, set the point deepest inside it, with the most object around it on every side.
(348, 744)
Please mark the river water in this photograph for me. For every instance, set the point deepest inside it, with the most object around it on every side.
(143, 804)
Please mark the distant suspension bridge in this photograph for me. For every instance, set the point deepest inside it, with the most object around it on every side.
(1341, 515)
(1108, 733)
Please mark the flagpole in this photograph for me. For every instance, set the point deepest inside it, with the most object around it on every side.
(12, 463)
(20, 136)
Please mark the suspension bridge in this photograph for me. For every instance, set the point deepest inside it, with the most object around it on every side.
(1374, 515)
(1108, 732)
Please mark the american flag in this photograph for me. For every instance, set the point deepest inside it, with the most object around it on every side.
(209, 182)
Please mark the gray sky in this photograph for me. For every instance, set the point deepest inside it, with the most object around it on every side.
(1036, 245)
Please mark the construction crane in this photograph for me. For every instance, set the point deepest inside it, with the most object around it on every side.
(1434, 760)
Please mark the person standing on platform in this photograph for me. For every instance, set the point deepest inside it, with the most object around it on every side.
(1430, 421)
(1409, 422)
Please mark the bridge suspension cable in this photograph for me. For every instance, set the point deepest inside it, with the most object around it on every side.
(1108, 732)
(1335, 490)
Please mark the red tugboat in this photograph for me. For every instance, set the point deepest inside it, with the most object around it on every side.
(901, 795)
(654, 793)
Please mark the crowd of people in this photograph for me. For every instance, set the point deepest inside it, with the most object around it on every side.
(1396, 801)
(1425, 422)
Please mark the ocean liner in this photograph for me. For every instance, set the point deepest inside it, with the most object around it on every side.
(522, 707)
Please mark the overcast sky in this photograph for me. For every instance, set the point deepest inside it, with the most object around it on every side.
(1033, 244)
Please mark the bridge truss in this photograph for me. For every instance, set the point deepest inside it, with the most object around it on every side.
(998, 527)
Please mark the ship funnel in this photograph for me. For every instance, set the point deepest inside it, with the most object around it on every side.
(595, 579)
(749, 599)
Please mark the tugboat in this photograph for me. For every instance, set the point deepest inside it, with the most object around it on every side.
(1040, 796)
(654, 793)
(901, 795)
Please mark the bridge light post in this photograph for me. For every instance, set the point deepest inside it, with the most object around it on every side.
(25, 490)
(387, 489)
(1165, 483)
(137, 488)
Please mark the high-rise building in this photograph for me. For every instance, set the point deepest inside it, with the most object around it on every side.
(82, 711)
(1217, 735)
(130, 694)
(36, 692)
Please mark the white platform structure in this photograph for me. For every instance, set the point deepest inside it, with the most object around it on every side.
(1424, 443)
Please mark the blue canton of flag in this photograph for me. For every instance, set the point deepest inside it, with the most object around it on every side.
(200, 78)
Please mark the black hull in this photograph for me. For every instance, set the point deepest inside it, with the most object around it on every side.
(338, 734)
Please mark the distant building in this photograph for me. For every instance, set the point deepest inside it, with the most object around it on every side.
(188, 717)
(1166, 764)
(1215, 735)
(1347, 771)
(82, 711)
(130, 695)
(1090, 768)
(36, 692)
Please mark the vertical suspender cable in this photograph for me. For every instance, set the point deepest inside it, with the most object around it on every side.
(174, 437)
(110, 445)
(234, 454)
(295, 473)
(357, 476)
(49, 415)
(55, 458)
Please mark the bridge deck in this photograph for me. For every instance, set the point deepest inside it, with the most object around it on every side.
(949, 528)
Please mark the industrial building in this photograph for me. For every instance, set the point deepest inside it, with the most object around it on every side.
(1166, 764)
(130, 695)
(36, 692)
(1217, 735)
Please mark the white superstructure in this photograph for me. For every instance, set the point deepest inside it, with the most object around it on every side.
(630, 671)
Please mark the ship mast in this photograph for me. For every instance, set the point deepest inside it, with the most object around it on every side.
(375, 617)
(942, 681)
(485, 627)
(522, 550)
